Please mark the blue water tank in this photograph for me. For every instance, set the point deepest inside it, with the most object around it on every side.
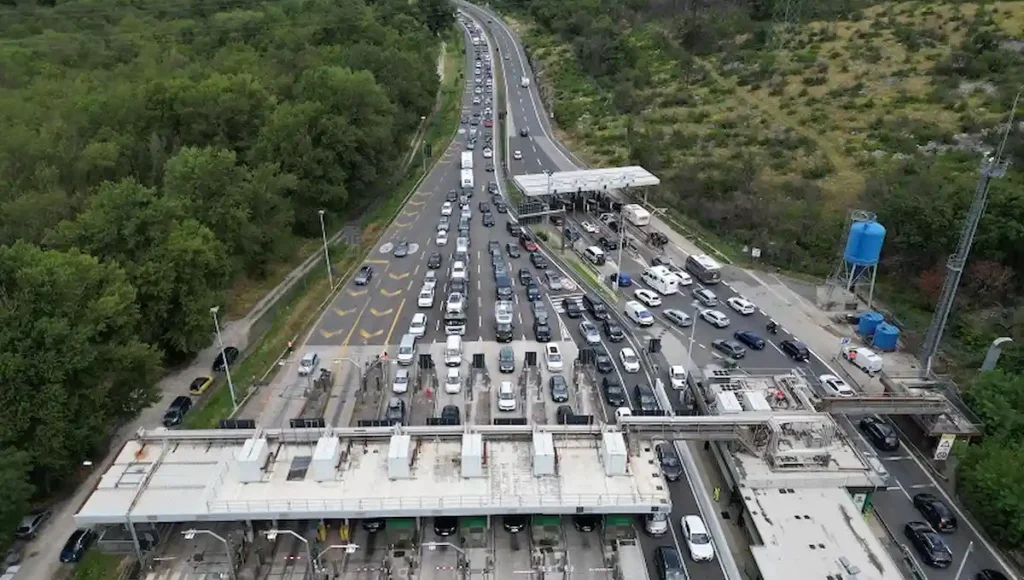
(869, 321)
(864, 246)
(886, 337)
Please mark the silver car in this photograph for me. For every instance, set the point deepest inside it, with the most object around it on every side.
(308, 364)
(589, 332)
(553, 279)
(678, 317)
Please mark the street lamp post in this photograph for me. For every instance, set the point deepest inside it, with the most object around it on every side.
(622, 243)
(963, 562)
(349, 549)
(435, 545)
(423, 150)
(693, 331)
(224, 357)
(192, 533)
(272, 535)
(327, 254)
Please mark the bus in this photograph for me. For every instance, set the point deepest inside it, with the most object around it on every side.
(705, 268)
(455, 323)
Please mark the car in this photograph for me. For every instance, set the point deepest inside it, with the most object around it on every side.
(607, 244)
(459, 270)
(453, 381)
(671, 466)
(483, 206)
(514, 524)
(541, 331)
(489, 167)
(401, 383)
(308, 363)
(464, 119)
(749, 338)
(648, 297)
(452, 196)
(729, 347)
(741, 305)
(451, 415)
(540, 312)
(527, 243)
(31, 524)
(656, 524)
(572, 307)
(553, 279)
(929, 544)
(705, 297)
(199, 385)
(401, 249)
(938, 514)
(603, 361)
(532, 291)
(630, 361)
(446, 208)
(506, 360)
(553, 357)
(645, 399)
(589, 227)
(471, 144)
(488, 152)
(77, 545)
(488, 220)
(614, 392)
(465, 214)
(835, 386)
(586, 522)
(881, 434)
(517, 155)
(442, 238)
(493, 247)
(589, 332)
(523, 132)
(430, 280)
(538, 261)
(458, 286)
(564, 414)
(525, 277)
(394, 414)
(698, 540)
(678, 317)
(677, 376)
(418, 326)
(434, 260)
(476, 101)
(559, 388)
(177, 410)
(445, 526)
(512, 250)
(715, 318)
(795, 350)
(500, 207)
(622, 279)
(443, 224)
(488, 123)
(363, 276)
(456, 301)
(613, 331)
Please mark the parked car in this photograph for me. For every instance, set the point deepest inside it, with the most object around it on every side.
(77, 545)
(175, 413)
(31, 524)
(225, 358)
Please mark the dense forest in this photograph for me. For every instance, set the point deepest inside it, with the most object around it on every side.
(153, 152)
(766, 130)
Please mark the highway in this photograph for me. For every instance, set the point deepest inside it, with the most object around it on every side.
(541, 151)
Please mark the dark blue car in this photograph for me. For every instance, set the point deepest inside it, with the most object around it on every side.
(77, 545)
(751, 339)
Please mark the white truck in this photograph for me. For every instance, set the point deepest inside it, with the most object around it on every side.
(467, 160)
(636, 215)
(467, 179)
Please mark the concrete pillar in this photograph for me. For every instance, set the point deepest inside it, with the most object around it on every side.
(135, 540)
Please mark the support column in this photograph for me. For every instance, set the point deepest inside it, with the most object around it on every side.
(135, 540)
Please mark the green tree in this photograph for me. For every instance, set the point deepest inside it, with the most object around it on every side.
(15, 488)
(998, 399)
(991, 479)
(439, 15)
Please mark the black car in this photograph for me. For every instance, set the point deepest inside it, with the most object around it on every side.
(457, 286)
(514, 524)
(451, 415)
(559, 389)
(513, 229)
(524, 132)
(882, 435)
(532, 291)
(586, 522)
(603, 362)
(434, 261)
(77, 545)
(513, 250)
(671, 466)
(729, 347)
(394, 414)
(483, 206)
(492, 187)
(936, 512)
(374, 525)
(572, 307)
(751, 339)
(506, 360)
(176, 411)
(445, 526)
(613, 331)
(401, 249)
(452, 196)
(229, 354)
(643, 397)
(541, 332)
(929, 544)
(795, 350)
(614, 392)
(500, 207)
(557, 220)
(494, 247)
(525, 277)
(488, 220)
(538, 261)
(364, 276)
(607, 244)
(563, 413)
(489, 167)
(595, 306)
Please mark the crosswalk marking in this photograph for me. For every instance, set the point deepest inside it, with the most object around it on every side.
(558, 304)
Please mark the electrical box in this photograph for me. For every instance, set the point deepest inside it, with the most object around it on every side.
(325, 458)
(472, 455)
(399, 457)
(613, 453)
(543, 454)
(252, 459)
(754, 401)
(728, 404)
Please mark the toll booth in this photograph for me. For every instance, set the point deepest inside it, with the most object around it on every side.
(474, 532)
(548, 555)
(403, 540)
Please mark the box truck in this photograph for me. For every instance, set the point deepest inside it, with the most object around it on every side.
(636, 215)
(467, 160)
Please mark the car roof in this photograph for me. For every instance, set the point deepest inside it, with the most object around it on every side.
(696, 524)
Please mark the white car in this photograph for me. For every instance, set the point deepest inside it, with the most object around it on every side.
(458, 271)
(455, 302)
(430, 279)
(553, 357)
(418, 326)
(426, 298)
(648, 297)
(442, 238)
(589, 228)
(684, 278)
(630, 362)
(715, 318)
(741, 305)
(452, 381)
(466, 214)
(446, 208)
(698, 540)
(401, 384)
(517, 155)
(677, 374)
(488, 153)
(835, 386)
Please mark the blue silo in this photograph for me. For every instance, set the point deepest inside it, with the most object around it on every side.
(864, 246)
(869, 322)
(886, 337)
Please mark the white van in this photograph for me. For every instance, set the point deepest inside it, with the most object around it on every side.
(407, 350)
(661, 279)
(638, 313)
(506, 396)
(453, 351)
(595, 255)
(462, 245)
(865, 359)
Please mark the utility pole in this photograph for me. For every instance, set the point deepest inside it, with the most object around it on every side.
(992, 166)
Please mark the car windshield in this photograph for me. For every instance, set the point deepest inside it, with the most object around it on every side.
(629, 358)
(700, 539)
(554, 356)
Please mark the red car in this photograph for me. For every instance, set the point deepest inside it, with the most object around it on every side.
(528, 244)
(488, 123)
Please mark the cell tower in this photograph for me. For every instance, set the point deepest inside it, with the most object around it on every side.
(859, 263)
(992, 166)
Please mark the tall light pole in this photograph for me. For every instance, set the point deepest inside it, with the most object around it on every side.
(224, 357)
(622, 243)
(272, 535)
(963, 562)
(693, 331)
(192, 533)
(327, 254)
(423, 146)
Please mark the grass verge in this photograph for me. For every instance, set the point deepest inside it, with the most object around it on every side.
(590, 277)
(98, 565)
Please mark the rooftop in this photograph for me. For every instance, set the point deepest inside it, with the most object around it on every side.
(585, 180)
(182, 481)
(820, 530)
